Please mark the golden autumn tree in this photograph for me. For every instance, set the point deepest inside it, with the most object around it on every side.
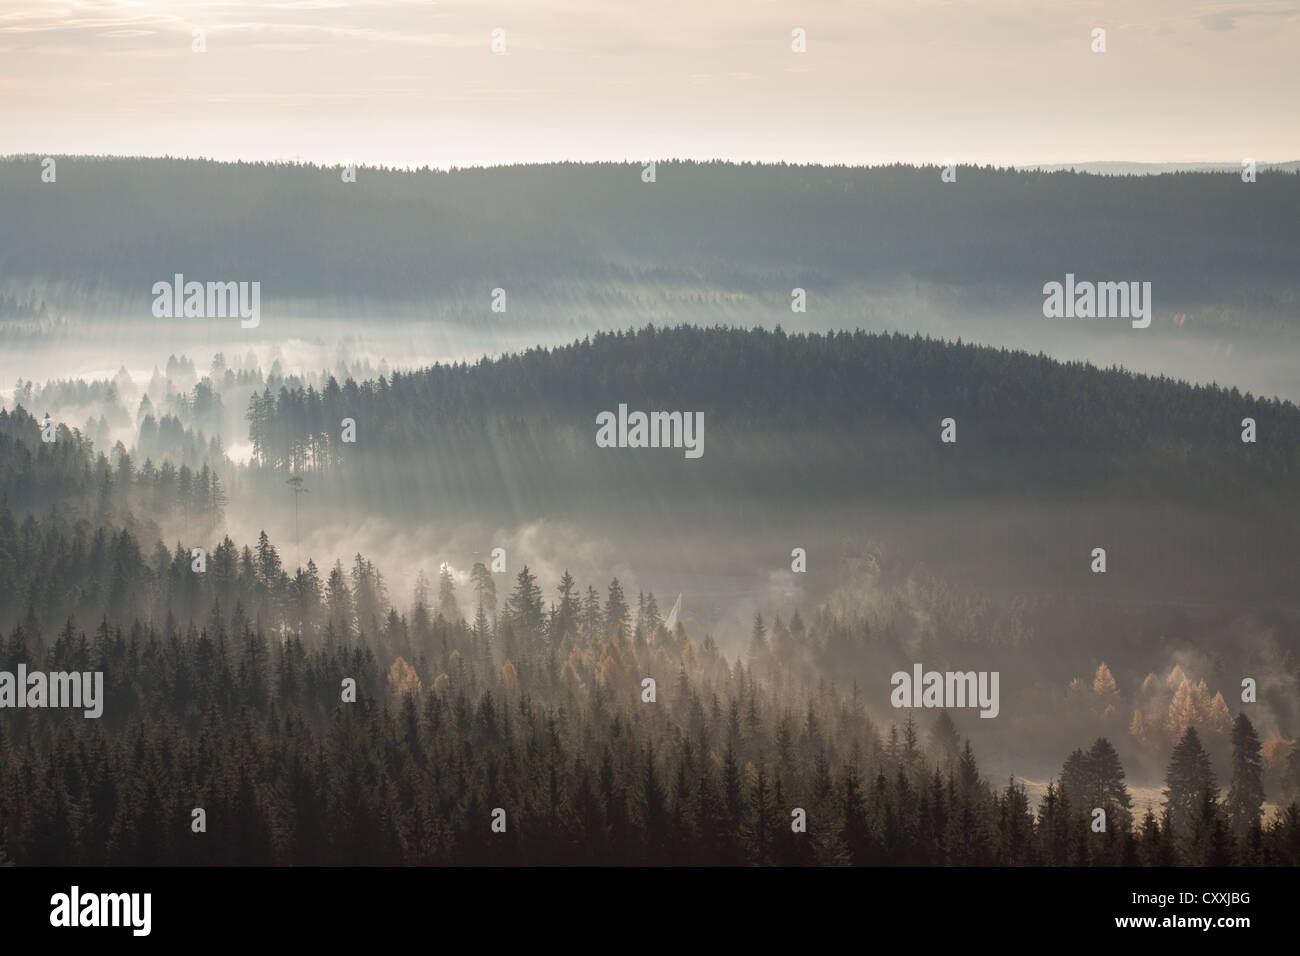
(1143, 730)
(569, 676)
(1176, 677)
(689, 658)
(1105, 692)
(404, 678)
(1276, 754)
(609, 671)
(1183, 710)
(1217, 718)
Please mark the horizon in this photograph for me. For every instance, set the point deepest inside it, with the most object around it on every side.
(1156, 166)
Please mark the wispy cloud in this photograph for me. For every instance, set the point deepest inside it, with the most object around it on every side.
(882, 80)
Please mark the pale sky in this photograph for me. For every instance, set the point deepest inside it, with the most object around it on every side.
(404, 82)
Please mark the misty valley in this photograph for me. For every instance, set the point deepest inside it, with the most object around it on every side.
(365, 563)
(493, 592)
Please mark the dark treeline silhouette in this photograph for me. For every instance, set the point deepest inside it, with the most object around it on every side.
(225, 691)
(853, 412)
(542, 715)
(796, 426)
(35, 474)
(1201, 236)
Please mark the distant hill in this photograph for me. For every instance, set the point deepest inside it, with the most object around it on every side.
(841, 417)
(840, 433)
(1118, 168)
(99, 237)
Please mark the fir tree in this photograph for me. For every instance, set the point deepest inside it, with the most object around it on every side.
(1245, 801)
(1189, 781)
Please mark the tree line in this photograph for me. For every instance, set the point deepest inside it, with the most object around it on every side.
(725, 767)
(435, 233)
(538, 708)
(853, 413)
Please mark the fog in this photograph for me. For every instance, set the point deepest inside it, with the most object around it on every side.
(961, 584)
(1199, 345)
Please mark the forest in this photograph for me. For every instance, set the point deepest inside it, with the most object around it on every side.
(542, 713)
(820, 435)
(701, 231)
(229, 690)
(850, 411)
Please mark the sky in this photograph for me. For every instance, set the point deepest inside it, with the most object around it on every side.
(406, 83)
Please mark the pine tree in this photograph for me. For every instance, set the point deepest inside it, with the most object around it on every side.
(968, 770)
(524, 607)
(855, 831)
(758, 651)
(591, 618)
(945, 742)
(447, 606)
(485, 589)
(268, 562)
(1245, 801)
(1076, 779)
(421, 622)
(1015, 825)
(617, 613)
(1188, 780)
(910, 751)
(653, 621)
(1106, 787)
(566, 618)
(654, 813)
(339, 600)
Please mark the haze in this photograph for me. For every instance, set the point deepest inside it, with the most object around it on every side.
(413, 83)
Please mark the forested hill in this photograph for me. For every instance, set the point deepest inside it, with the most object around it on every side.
(112, 227)
(838, 416)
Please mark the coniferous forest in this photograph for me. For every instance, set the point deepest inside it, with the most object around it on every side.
(320, 715)
(451, 450)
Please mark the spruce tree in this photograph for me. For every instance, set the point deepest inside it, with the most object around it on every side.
(945, 742)
(1106, 785)
(566, 618)
(485, 588)
(1188, 780)
(617, 613)
(447, 605)
(1245, 801)
(524, 607)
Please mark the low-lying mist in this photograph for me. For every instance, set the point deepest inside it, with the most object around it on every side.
(964, 582)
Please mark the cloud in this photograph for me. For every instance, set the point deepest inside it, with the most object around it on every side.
(590, 79)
